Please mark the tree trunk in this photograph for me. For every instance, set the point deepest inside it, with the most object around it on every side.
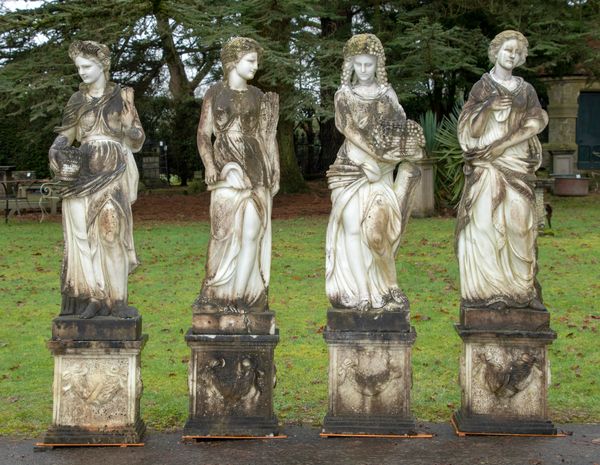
(279, 33)
(291, 177)
(338, 29)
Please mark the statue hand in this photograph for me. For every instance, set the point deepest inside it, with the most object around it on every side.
(210, 175)
(127, 115)
(275, 188)
(392, 154)
(499, 103)
(52, 156)
(275, 185)
(496, 149)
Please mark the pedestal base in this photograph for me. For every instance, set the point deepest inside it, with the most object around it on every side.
(370, 378)
(231, 381)
(504, 377)
(97, 390)
(487, 424)
(61, 435)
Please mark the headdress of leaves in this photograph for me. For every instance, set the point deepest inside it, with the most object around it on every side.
(236, 47)
(90, 49)
(364, 44)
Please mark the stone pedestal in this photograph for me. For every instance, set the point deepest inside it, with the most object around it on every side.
(424, 201)
(97, 381)
(504, 371)
(232, 375)
(563, 161)
(370, 374)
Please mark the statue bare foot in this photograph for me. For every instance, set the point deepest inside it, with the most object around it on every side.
(536, 304)
(363, 305)
(400, 298)
(122, 310)
(91, 310)
(233, 309)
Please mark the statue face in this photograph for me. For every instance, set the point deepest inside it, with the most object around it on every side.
(509, 55)
(89, 70)
(247, 65)
(364, 67)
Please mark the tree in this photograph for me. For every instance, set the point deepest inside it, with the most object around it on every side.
(159, 47)
(336, 28)
(436, 49)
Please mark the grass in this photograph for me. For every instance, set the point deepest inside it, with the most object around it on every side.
(164, 286)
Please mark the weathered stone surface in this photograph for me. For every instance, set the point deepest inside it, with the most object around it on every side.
(505, 319)
(97, 390)
(233, 323)
(496, 220)
(370, 205)
(97, 181)
(370, 378)
(504, 377)
(100, 328)
(242, 173)
(231, 381)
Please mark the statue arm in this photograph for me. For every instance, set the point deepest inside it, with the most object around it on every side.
(275, 167)
(203, 140)
(344, 124)
(531, 128)
(478, 108)
(268, 127)
(64, 139)
(534, 122)
(132, 127)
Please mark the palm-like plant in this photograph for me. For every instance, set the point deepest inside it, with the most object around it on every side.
(430, 127)
(449, 177)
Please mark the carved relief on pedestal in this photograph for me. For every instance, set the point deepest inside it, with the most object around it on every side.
(230, 384)
(368, 378)
(507, 380)
(371, 380)
(94, 392)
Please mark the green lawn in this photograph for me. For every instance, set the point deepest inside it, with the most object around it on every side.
(172, 267)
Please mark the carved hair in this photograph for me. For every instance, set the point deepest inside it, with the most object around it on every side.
(498, 41)
(91, 50)
(235, 49)
(363, 44)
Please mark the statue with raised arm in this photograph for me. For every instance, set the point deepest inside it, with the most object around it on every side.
(370, 207)
(496, 227)
(242, 173)
(98, 184)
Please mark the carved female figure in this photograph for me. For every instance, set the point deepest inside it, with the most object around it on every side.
(370, 209)
(242, 173)
(96, 207)
(496, 230)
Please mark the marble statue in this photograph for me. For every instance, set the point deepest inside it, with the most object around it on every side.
(496, 227)
(242, 173)
(370, 207)
(98, 184)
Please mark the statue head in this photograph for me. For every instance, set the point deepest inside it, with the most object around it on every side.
(505, 36)
(361, 45)
(236, 48)
(94, 51)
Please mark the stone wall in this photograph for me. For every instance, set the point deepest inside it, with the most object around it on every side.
(563, 94)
